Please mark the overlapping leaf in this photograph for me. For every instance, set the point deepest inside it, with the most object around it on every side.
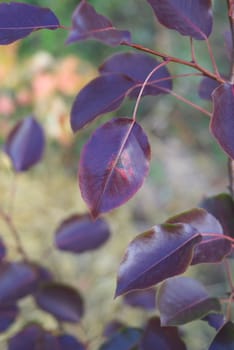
(215, 320)
(214, 247)
(62, 301)
(126, 339)
(79, 233)
(188, 17)
(68, 342)
(103, 94)
(222, 121)
(163, 338)
(18, 20)
(224, 339)
(88, 24)
(8, 314)
(25, 144)
(162, 252)
(206, 87)
(184, 299)
(113, 165)
(145, 299)
(137, 67)
(113, 327)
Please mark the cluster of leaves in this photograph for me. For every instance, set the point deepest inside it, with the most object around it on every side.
(113, 165)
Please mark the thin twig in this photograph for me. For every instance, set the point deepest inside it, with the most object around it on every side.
(230, 4)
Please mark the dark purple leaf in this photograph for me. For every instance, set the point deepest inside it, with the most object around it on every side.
(88, 24)
(206, 87)
(145, 299)
(33, 337)
(2, 249)
(190, 18)
(184, 299)
(113, 327)
(215, 320)
(211, 249)
(113, 165)
(162, 338)
(25, 144)
(224, 339)
(17, 279)
(222, 207)
(222, 121)
(80, 233)
(126, 339)
(102, 95)
(162, 252)
(137, 67)
(68, 342)
(8, 314)
(18, 20)
(62, 301)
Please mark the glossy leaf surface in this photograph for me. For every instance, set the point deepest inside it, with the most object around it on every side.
(79, 233)
(145, 299)
(184, 299)
(68, 342)
(137, 67)
(163, 338)
(33, 337)
(224, 339)
(102, 95)
(188, 17)
(211, 249)
(206, 87)
(17, 279)
(25, 144)
(222, 207)
(222, 122)
(62, 301)
(160, 253)
(8, 314)
(18, 20)
(88, 24)
(126, 339)
(113, 165)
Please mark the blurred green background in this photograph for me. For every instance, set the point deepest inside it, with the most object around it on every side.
(40, 75)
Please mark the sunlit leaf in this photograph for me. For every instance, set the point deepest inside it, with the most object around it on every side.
(103, 94)
(224, 339)
(113, 165)
(163, 338)
(145, 299)
(79, 233)
(8, 314)
(62, 301)
(18, 20)
(184, 299)
(88, 24)
(25, 144)
(162, 252)
(137, 66)
(126, 339)
(222, 122)
(188, 17)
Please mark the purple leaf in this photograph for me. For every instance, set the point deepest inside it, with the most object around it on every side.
(33, 337)
(102, 95)
(17, 279)
(88, 24)
(222, 122)
(224, 339)
(113, 165)
(162, 252)
(228, 43)
(188, 17)
(215, 320)
(222, 207)
(126, 339)
(184, 299)
(8, 314)
(163, 338)
(62, 301)
(2, 249)
(79, 233)
(212, 249)
(206, 87)
(25, 144)
(113, 327)
(145, 299)
(68, 342)
(137, 67)
(18, 20)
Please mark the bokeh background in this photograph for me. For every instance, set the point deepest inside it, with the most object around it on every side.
(40, 76)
